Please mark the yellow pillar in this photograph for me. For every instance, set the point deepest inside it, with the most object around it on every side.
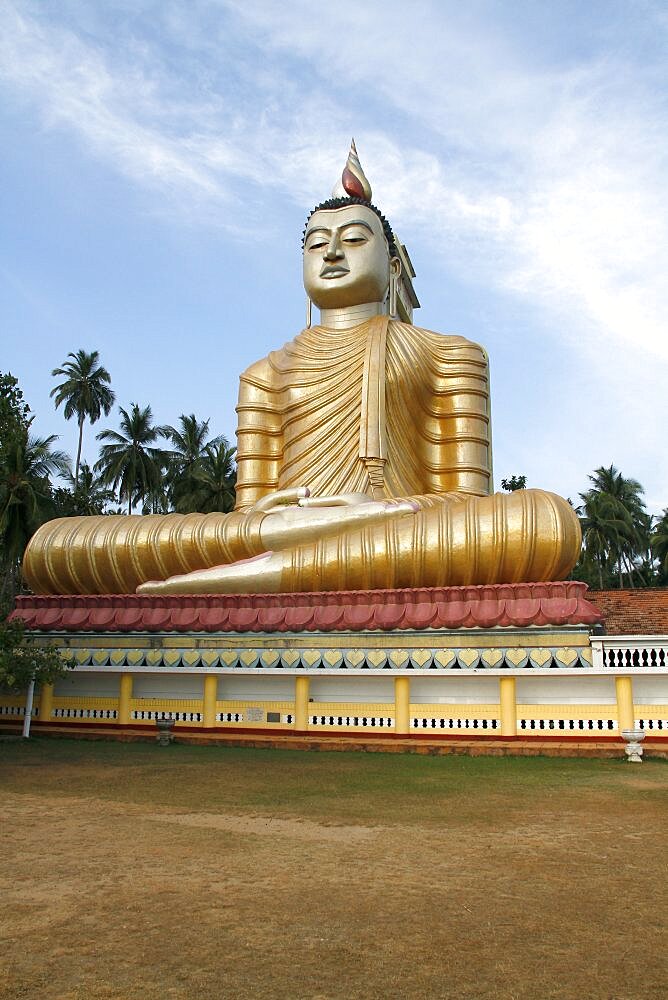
(625, 710)
(402, 705)
(508, 706)
(210, 698)
(45, 702)
(124, 699)
(301, 703)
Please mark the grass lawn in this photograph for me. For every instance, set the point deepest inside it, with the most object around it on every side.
(130, 870)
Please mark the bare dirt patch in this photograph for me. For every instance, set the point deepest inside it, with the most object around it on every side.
(131, 872)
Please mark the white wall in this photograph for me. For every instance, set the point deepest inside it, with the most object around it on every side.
(241, 687)
(365, 690)
(75, 684)
(650, 690)
(454, 688)
(566, 690)
(186, 686)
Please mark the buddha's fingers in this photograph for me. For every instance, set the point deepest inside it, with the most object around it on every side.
(337, 500)
(281, 498)
(300, 526)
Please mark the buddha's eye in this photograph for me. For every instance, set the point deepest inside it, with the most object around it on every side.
(316, 243)
(354, 237)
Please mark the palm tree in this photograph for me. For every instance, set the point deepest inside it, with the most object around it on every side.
(90, 495)
(599, 530)
(83, 392)
(129, 462)
(189, 442)
(628, 493)
(25, 495)
(213, 480)
(659, 543)
(615, 522)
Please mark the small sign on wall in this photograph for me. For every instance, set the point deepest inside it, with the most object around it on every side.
(254, 714)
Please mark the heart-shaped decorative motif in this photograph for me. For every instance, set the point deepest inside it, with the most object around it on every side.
(421, 658)
(587, 656)
(101, 657)
(539, 657)
(376, 658)
(153, 657)
(228, 657)
(134, 657)
(398, 658)
(190, 658)
(248, 658)
(354, 658)
(516, 657)
(82, 656)
(117, 658)
(468, 658)
(310, 658)
(210, 658)
(332, 658)
(290, 658)
(445, 659)
(171, 657)
(566, 657)
(270, 658)
(492, 658)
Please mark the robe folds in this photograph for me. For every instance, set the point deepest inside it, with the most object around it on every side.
(333, 405)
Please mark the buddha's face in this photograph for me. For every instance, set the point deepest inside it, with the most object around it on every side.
(346, 258)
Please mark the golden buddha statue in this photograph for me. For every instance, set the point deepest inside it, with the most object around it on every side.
(364, 457)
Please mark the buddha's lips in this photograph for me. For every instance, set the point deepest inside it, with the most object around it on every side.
(334, 271)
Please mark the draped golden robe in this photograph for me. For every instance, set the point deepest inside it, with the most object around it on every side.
(332, 408)
(386, 409)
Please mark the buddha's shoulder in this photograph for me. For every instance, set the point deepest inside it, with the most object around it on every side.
(262, 373)
(258, 374)
(295, 352)
(441, 344)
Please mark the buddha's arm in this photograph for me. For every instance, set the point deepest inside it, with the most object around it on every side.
(457, 453)
(259, 437)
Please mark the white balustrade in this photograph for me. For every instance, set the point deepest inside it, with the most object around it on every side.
(629, 651)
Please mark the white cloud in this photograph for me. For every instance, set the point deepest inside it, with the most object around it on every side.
(537, 175)
(118, 114)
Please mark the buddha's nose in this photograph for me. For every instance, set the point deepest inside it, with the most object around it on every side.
(334, 251)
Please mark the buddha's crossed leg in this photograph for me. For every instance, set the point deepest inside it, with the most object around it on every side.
(450, 540)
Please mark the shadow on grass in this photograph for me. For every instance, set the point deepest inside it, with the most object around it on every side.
(329, 786)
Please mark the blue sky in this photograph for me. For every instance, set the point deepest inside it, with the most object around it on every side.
(159, 160)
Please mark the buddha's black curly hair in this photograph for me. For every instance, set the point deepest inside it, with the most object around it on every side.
(341, 202)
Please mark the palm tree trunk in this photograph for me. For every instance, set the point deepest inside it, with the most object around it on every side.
(76, 468)
(600, 575)
(634, 569)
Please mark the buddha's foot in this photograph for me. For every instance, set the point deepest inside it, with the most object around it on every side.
(247, 576)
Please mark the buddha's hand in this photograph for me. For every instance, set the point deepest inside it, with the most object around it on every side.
(301, 496)
(294, 517)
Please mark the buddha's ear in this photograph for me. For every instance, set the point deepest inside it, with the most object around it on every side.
(395, 276)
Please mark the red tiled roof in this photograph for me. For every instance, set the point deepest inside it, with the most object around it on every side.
(506, 604)
(633, 612)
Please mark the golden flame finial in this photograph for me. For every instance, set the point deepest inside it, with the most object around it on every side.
(353, 183)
